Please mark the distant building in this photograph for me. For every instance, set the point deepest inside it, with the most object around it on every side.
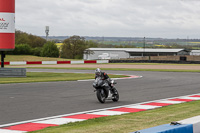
(195, 52)
(118, 53)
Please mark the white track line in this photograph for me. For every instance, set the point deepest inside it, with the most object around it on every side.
(171, 102)
(106, 112)
(10, 131)
(143, 106)
(59, 121)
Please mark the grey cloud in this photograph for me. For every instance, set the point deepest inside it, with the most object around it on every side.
(109, 17)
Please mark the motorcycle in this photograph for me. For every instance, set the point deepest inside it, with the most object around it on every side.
(104, 91)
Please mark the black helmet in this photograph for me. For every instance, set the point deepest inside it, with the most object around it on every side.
(98, 71)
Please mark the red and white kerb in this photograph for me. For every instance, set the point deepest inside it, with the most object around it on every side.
(7, 25)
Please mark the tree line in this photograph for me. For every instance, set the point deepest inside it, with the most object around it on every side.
(72, 48)
(28, 44)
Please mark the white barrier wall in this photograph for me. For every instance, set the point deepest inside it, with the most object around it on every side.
(190, 125)
(195, 121)
(55, 62)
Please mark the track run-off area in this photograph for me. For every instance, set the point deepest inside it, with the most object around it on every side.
(28, 101)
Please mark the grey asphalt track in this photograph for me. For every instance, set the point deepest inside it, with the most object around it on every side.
(27, 101)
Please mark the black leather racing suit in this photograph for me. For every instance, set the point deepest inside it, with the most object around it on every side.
(104, 76)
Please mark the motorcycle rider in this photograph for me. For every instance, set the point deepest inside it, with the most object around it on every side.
(104, 76)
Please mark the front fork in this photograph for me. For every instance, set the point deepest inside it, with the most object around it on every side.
(109, 94)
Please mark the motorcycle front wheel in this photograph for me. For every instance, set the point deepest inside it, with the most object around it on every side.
(101, 96)
(115, 95)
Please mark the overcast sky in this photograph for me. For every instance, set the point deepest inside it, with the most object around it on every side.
(110, 18)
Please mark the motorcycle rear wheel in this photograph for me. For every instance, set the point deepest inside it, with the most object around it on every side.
(101, 96)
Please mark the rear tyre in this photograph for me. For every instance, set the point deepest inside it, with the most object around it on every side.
(115, 95)
(101, 96)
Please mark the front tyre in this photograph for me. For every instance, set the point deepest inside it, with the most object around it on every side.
(115, 95)
(101, 96)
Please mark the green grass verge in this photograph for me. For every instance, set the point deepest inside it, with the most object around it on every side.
(31, 58)
(49, 77)
(119, 69)
(130, 122)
